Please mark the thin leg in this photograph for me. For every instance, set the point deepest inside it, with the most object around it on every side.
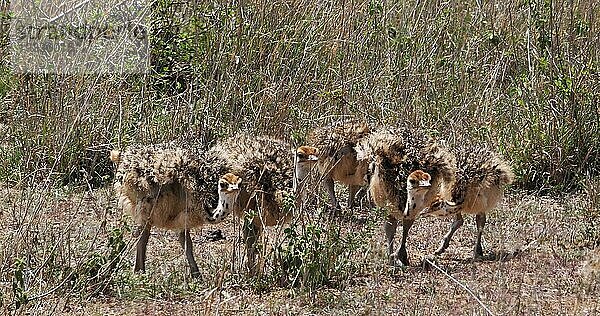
(140, 255)
(251, 235)
(137, 230)
(458, 222)
(186, 243)
(390, 226)
(480, 220)
(352, 189)
(401, 254)
(329, 186)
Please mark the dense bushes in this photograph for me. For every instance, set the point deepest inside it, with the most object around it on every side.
(522, 75)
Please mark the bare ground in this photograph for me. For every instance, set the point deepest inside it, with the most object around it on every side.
(539, 260)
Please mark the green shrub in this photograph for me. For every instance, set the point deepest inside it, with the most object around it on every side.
(316, 255)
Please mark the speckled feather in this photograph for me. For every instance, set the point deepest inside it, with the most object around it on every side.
(478, 168)
(264, 163)
(147, 171)
(398, 151)
(266, 167)
(330, 139)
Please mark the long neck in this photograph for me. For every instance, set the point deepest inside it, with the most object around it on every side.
(225, 205)
(414, 202)
(300, 172)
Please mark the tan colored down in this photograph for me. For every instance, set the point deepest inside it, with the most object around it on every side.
(273, 157)
(337, 155)
(347, 170)
(383, 197)
(268, 207)
(482, 176)
(480, 200)
(164, 194)
(165, 212)
(392, 144)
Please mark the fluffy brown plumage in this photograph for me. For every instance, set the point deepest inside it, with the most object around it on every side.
(161, 174)
(267, 168)
(480, 180)
(396, 152)
(337, 157)
(167, 186)
(479, 171)
(264, 163)
(330, 139)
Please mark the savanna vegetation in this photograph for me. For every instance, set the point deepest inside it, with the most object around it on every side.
(523, 76)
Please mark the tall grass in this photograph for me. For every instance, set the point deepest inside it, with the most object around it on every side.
(521, 75)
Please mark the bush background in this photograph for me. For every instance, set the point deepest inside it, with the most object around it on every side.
(520, 75)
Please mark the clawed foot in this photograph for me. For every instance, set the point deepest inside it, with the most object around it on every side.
(399, 260)
(490, 257)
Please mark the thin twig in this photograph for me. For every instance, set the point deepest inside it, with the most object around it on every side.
(462, 285)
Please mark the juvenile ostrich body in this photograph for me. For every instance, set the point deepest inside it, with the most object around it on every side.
(266, 193)
(169, 187)
(337, 157)
(397, 152)
(480, 180)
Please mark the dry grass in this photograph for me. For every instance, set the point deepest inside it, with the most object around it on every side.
(537, 247)
(521, 75)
